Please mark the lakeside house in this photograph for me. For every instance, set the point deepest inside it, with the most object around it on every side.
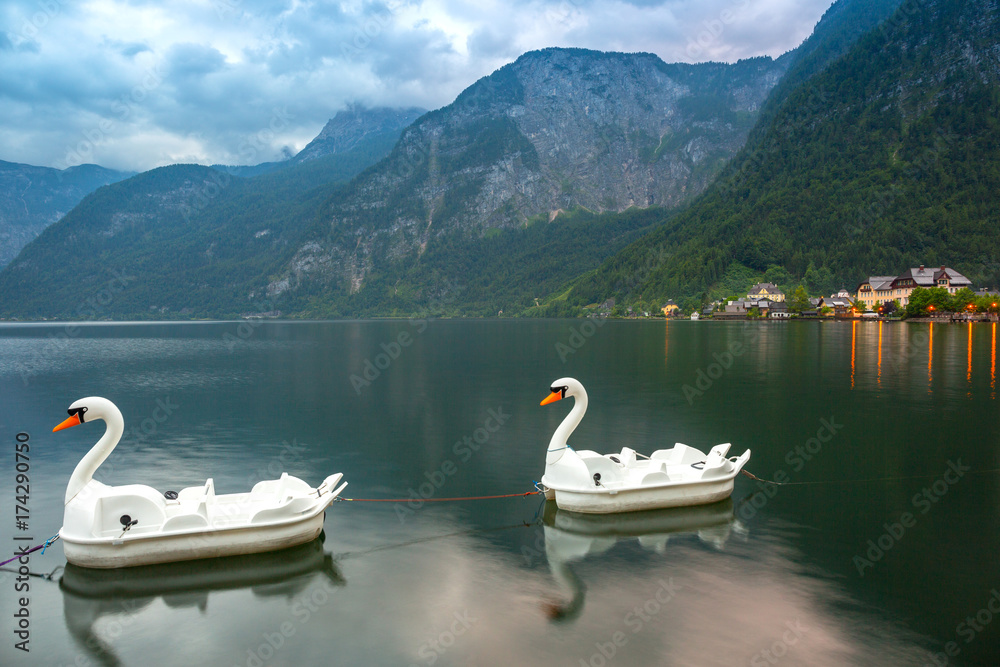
(767, 291)
(879, 289)
(840, 303)
(670, 308)
(778, 310)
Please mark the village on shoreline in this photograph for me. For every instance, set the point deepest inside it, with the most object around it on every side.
(919, 294)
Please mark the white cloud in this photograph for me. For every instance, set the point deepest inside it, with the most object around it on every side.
(137, 84)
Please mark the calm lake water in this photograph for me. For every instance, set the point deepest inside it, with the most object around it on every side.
(886, 556)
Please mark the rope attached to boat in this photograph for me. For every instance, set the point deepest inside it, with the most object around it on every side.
(43, 547)
(436, 500)
(858, 481)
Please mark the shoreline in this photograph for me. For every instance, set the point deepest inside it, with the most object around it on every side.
(291, 320)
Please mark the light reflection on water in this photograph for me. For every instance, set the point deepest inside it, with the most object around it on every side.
(510, 581)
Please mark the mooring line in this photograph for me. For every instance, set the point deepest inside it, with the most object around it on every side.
(429, 538)
(435, 500)
(859, 481)
(42, 546)
(47, 577)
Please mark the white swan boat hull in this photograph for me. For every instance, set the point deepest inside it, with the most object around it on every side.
(276, 514)
(608, 501)
(130, 551)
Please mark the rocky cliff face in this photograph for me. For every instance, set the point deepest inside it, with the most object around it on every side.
(557, 129)
(32, 198)
(351, 127)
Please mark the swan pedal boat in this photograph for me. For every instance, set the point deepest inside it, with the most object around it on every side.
(124, 526)
(591, 483)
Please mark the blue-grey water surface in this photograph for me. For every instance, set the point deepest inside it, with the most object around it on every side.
(893, 559)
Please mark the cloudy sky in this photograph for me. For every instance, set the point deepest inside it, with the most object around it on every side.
(138, 84)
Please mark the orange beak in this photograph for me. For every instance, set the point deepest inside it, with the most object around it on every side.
(552, 398)
(72, 421)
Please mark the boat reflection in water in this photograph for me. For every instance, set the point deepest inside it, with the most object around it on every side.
(90, 594)
(570, 536)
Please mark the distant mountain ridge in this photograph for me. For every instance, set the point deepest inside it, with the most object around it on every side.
(195, 236)
(32, 198)
(558, 129)
(888, 157)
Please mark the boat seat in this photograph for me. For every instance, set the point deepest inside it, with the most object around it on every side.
(679, 454)
(199, 497)
(138, 501)
(605, 467)
(279, 490)
(197, 493)
(185, 522)
(626, 457)
(655, 478)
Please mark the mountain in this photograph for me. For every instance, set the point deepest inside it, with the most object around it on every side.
(356, 130)
(885, 159)
(32, 198)
(557, 130)
(189, 239)
(568, 177)
(357, 126)
(560, 134)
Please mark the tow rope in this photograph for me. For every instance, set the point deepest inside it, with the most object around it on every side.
(858, 481)
(436, 500)
(43, 547)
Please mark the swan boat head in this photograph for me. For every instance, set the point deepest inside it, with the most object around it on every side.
(87, 410)
(562, 463)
